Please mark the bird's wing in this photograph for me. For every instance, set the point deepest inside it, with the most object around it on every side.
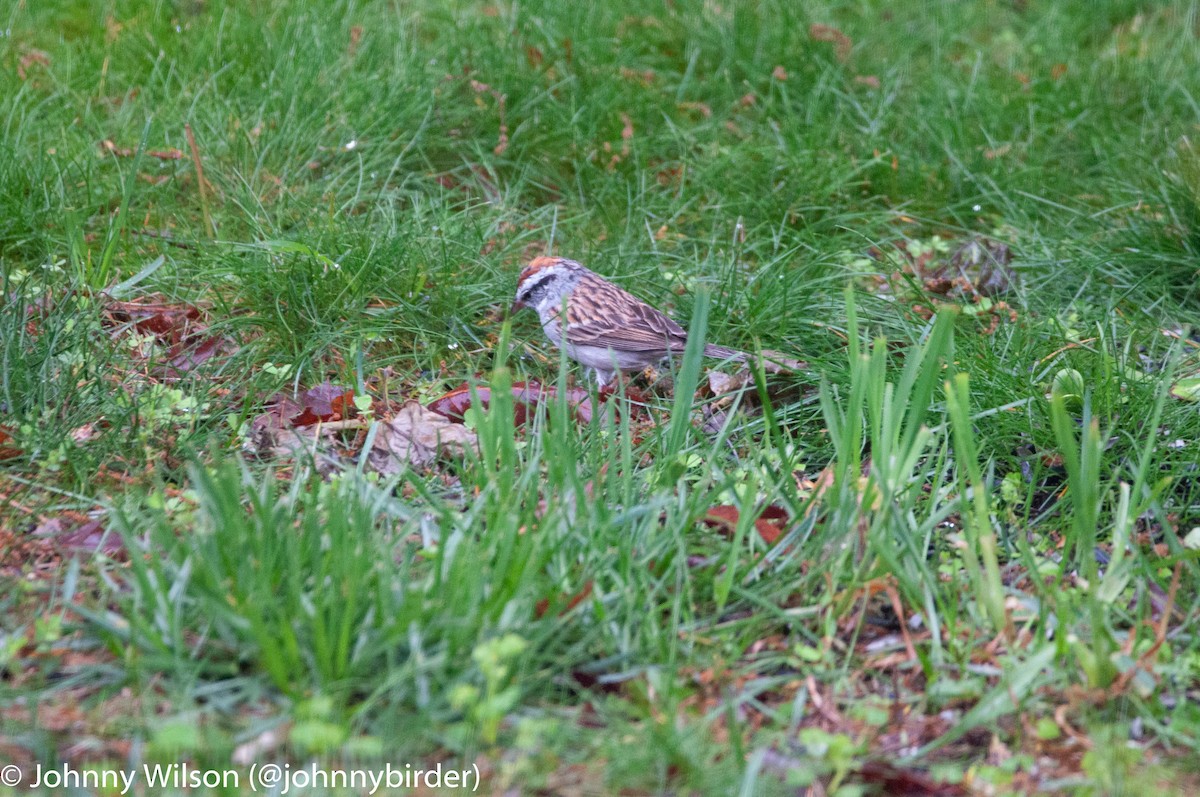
(601, 314)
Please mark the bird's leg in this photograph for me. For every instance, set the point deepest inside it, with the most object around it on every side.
(603, 377)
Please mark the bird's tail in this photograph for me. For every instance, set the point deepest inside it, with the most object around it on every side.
(723, 353)
(772, 361)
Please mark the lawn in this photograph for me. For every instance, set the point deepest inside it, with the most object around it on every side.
(283, 482)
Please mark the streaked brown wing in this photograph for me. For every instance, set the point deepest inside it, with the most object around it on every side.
(601, 314)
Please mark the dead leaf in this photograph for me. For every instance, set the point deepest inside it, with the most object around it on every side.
(770, 524)
(645, 77)
(172, 323)
(526, 398)
(568, 602)
(670, 176)
(324, 403)
(775, 362)
(986, 265)
(107, 147)
(84, 434)
(356, 32)
(184, 357)
(998, 152)
(179, 327)
(974, 272)
(28, 59)
(72, 534)
(870, 81)
(722, 384)
(842, 44)
(272, 435)
(779, 73)
(416, 437)
(7, 451)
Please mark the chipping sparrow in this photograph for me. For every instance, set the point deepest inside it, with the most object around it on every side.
(607, 330)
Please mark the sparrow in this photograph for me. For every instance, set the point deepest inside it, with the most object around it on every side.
(607, 329)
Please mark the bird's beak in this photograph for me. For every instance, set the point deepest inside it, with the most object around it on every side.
(517, 305)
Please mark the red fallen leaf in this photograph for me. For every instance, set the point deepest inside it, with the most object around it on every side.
(526, 397)
(171, 322)
(324, 402)
(186, 356)
(7, 452)
(572, 601)
(171, 154)
(770, 524)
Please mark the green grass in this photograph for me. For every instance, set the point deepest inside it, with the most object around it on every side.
(553, 606)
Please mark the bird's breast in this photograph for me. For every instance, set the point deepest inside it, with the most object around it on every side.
(552, 328)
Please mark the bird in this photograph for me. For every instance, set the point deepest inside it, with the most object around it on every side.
(607, 330)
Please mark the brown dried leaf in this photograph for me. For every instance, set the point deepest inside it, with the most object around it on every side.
(842, 44)
(998, 152)
(645, 77)
(107, 147)
(775, 362)
(701, 107)
(415, 437)
(721, 384)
